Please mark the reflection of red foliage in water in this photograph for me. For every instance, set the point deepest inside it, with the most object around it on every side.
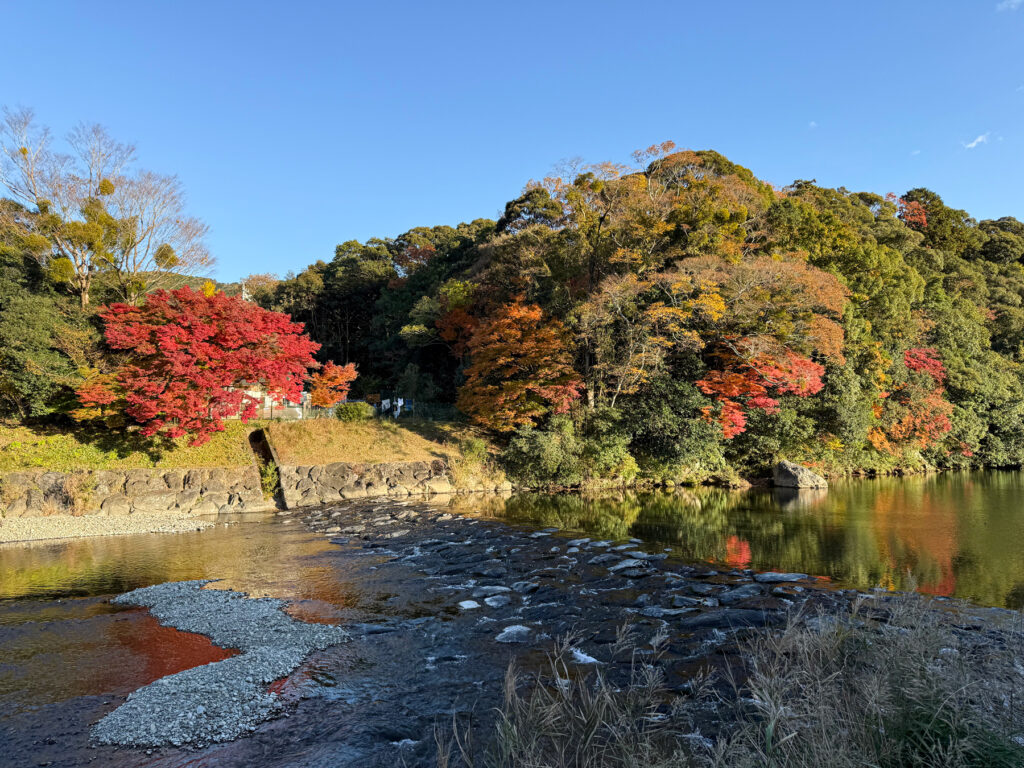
(279, 686)
(737, 552)
(166, 650)
(945, 586)
(915, 530)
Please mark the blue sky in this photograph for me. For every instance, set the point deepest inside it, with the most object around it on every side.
(296, 126)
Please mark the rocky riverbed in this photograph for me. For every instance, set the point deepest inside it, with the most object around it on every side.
(435, 606)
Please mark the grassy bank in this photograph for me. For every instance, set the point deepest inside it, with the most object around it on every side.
(323, 441)
(24, 448)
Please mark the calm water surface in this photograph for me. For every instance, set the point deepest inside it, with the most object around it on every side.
(958, 535)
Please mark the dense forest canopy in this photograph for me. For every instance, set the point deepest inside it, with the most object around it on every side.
(679, 311)
(668, 317)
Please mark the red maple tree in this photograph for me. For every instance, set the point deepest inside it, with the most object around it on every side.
(330, 385)
(190, 357)
(911, 212)
(745, 384)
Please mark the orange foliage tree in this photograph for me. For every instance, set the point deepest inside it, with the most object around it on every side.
(330, 385)
(916, 413)
(520, 369)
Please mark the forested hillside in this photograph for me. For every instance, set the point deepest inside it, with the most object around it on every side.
(679, 315)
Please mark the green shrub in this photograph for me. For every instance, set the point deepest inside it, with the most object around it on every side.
(550, 456)
(474, 449)
(270, 479)
(354, 411)
(606, 448)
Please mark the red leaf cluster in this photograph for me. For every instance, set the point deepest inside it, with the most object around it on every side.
(914, 414)
(743, 385)
(925, 360)
(911, 212)
(191, 356)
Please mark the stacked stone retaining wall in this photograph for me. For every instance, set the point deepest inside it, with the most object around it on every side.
(37, 493)
(306, 486)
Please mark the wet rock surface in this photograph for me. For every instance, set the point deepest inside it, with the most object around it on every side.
(420, 654)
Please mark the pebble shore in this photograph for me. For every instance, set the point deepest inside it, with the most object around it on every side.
(68, 527)
(219, 701)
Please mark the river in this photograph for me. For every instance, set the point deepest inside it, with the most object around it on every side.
(67, 655)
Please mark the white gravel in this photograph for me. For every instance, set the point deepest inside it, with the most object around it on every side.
(67, 527)
(222, 700)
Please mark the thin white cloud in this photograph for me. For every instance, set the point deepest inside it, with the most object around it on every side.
(1009, 5)
(915, 151)
(982, 139)
(812, 125)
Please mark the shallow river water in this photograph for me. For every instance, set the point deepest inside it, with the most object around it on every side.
(67, 656)
(956, 535)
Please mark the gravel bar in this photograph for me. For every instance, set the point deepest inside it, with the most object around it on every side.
(219, 701)
(69, 527)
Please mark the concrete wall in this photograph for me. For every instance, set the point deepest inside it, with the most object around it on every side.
(123, 492)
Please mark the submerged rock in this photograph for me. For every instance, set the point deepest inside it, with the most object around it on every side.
(772, 577)
(517, 633)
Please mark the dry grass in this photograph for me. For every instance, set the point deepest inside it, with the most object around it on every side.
(562, 718)
(914, 690)
(24, 448)
(323, 441)
(910, 686)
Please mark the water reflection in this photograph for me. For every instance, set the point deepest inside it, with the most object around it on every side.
(61, 638)
(266, 558)
(958, 535)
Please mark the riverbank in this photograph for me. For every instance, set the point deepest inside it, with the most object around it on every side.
(23, 529)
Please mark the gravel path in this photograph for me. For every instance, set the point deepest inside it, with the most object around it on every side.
(68, 527)
(219, 701)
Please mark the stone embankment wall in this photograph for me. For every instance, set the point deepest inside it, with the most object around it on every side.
(124, 492)
(326, 483)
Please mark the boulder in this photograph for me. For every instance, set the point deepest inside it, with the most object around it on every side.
(174, 479)
(143, 481)
(158, 501)
(117, 504)
(438, 485)
(107, 482)
(186, 500)
(789, 475)
(218, 481)
(217, 499)
(193, 480)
